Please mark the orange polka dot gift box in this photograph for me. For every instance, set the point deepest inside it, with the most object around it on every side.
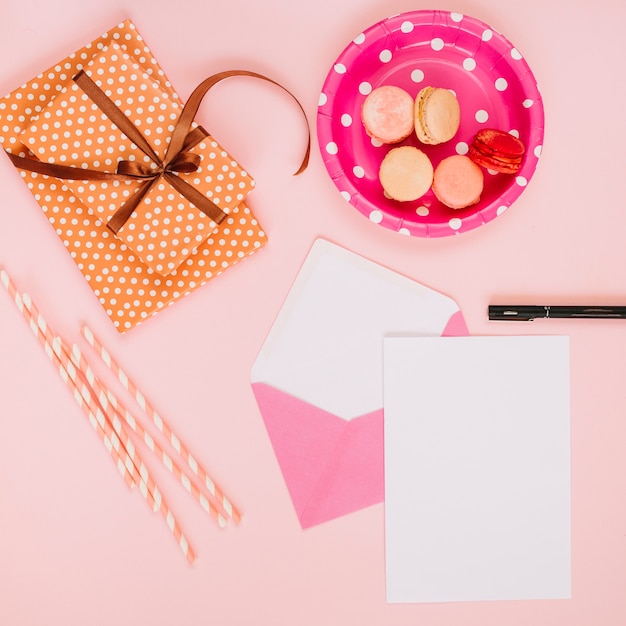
(146, 201)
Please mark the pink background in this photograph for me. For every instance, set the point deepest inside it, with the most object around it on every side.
(76, 547)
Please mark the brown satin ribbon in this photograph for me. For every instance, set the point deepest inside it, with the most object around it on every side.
(177, 158)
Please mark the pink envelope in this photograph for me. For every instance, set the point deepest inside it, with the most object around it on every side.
(318, 379)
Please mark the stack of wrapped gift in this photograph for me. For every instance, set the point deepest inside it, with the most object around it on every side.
(145, 221)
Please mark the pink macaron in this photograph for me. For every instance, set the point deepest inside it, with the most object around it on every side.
(458, 182)
(387, 114)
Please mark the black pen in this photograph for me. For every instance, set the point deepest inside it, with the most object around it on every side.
(525, 313)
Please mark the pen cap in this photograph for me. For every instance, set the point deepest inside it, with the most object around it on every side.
(516, 313)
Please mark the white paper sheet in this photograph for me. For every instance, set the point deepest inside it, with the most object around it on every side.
(477, 468)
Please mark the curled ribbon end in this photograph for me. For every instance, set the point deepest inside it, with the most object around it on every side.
(305, 161)
(300, 170)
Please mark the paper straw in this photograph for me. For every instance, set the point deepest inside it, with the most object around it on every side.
(161, 425)
(148, 488)
(123, 465)
(108, 422)
(119, 439)
(109, 402)
(151, 492)
(54, 348)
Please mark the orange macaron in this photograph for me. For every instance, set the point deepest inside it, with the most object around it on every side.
(387, 114)
(437, 115)
(458, 182)
(406, 173)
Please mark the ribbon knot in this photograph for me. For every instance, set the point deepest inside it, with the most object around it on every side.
(183, 162)
(176, 159)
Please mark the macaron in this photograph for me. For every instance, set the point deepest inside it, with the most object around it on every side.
(437, 115)
(458, 182)
(497, 150)
(406, 173)
(387, 114)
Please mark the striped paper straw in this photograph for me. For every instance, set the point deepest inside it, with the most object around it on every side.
(123, 465)
(56, 351)
(151, 492)
(148, 488)
(109, 402)
(119, 440)
(161, 425)
(107, 421)
(121, 443)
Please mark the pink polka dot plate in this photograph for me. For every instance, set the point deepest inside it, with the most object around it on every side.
(495, 88)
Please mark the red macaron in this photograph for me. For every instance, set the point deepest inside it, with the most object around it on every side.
(497, 150)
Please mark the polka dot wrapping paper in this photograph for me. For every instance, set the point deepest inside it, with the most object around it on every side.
(167, 248)
(495, 88)
(166, 227)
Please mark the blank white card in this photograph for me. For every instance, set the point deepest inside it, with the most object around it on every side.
(477, 468)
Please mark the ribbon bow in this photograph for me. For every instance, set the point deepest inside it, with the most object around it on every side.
(177, 158)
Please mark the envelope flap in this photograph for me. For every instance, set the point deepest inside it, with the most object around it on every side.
(326, 343)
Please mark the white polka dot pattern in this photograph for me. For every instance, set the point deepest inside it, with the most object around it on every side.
(137, 276)
(494, 86)
(165, 228)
